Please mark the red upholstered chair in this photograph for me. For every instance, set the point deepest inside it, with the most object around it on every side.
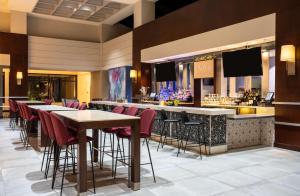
(70, 104)
(23, 134)
(48, 141)
(75, 105)
(13, 114)
(83, 106)
(48, 101)
(131, 111)
(29, 118)
(147, 119)
(111, 132)
(63, 139)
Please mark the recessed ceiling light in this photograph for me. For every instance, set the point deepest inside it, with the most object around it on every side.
(86, 8)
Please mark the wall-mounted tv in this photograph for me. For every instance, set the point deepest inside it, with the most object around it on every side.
(165, 72)
(245, 62)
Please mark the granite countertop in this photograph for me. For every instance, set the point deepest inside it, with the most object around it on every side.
(191, 110)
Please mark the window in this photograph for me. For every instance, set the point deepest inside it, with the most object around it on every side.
(42, 86)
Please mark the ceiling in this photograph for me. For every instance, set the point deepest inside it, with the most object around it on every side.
(90, 10)
(81, 11)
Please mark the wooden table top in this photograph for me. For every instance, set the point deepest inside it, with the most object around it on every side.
(49, 108)
(82, 116)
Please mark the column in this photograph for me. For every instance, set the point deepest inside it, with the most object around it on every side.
(18, 22)
(144, 12)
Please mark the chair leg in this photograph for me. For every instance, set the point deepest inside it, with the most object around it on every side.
(204, 139)
(165, 136)
(129, 163)
(187, 139)
(49, 159)
(102, 151)
(112, 154)
(161, 135)
(199, 140)
(93, 174)
(46, 150)
(179, 140)
(64, 170)
(117, 156)
(73, 158)
(56, 164)
(147, 142)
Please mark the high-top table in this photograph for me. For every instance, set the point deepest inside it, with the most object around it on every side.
(42, 138)
(31, 102)
(95, 119)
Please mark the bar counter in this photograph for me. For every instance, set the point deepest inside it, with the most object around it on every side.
(223, 128)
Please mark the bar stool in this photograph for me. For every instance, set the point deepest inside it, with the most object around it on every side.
(45, 132)
(163, 132)
(23, 134)
(195, 127)
(49, 128)
(65, 139)
(147, 119)
(29, 119)
(111, 132)
(13, 114)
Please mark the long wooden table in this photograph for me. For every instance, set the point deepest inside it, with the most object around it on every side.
(95, 119)
(31, 102)
(42, 138)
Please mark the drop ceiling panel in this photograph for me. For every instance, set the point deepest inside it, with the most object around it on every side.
(91, 10)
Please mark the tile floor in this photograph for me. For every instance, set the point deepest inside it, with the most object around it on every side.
(265, 172)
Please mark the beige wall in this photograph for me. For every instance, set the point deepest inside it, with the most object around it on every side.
(4, 22)
(117, 52)
(63, 30)
(59, 54)
(99, 84)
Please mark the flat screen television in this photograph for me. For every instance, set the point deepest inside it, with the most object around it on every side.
(165, 72)
(245, 62)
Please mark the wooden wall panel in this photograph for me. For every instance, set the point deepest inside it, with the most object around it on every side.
(287, 137)
(288, 113)
(17, 46)
(59, 54)
(287, 87)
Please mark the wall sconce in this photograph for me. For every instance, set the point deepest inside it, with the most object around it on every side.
(133, 74)
(288, 55)
(19, 78)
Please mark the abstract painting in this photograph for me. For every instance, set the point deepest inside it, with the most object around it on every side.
(117, 83)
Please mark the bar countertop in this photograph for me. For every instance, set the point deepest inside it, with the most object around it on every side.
(192, 110)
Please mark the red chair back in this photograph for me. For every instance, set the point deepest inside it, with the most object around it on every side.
(147, 119)
(48, 101)
(43, 123)
(27, 112)
(60, 130)
(69, 104)
(75, 105)
(20, 110)
(118, 110)
(49, 125)
(12, 106)
(131, 111)
(83, 106)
